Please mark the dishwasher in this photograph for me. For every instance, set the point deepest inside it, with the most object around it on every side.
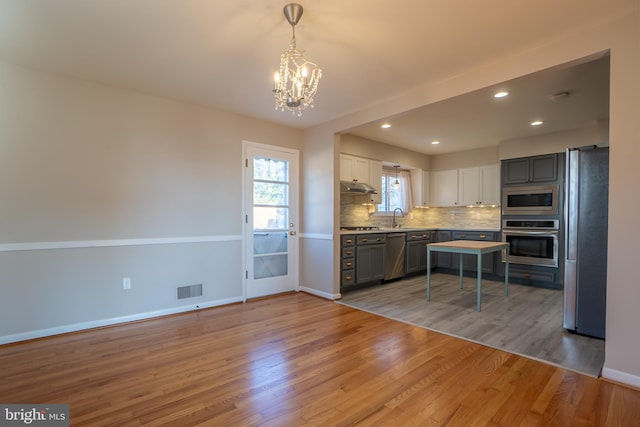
(394, 256)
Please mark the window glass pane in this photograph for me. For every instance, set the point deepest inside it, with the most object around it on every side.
(395, 198)
(268, 243)
(269, 266)
(270, 218)
(265, 193)
(270, 169)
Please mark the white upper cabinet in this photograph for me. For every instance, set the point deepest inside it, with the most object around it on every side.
(479, 185)
(354, 168)
(375, 180)
(444, 188)
(490, 184)
(420, 187)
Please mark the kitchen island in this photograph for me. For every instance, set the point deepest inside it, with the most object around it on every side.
(472, 247)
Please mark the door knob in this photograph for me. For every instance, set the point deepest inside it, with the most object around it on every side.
(292, 233)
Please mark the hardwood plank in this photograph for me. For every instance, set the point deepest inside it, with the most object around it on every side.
(299, 360)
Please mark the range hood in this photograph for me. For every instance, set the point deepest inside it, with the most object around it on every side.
(355, 187)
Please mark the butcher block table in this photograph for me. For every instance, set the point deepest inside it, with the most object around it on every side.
(471, 247)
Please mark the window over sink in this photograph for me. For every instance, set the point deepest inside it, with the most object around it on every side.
(394, 195)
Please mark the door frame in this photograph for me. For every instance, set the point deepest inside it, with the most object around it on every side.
(294, 206)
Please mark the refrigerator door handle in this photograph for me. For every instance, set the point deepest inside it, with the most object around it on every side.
(571, 206)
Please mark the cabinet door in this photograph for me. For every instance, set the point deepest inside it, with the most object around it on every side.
(420, 187)
(375, 180)
(369, 263)
(346, 167)
(377, 262)
(422, 255)
(544, 168)
(490, 182)
(469, 186)
(361, 170)
(444, 188)
(516, 171)
(413, 257)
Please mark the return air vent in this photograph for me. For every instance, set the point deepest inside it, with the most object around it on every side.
(191, 291)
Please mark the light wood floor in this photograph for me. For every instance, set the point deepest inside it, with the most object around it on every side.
(527, 322)
(296, 360)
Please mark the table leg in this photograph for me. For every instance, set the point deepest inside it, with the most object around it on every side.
(460, 271)
(428, 274)
(479, 280)
(506, 272)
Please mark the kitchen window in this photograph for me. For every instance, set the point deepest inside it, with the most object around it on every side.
(392, 197)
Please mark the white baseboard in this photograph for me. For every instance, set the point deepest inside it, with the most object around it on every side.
(113, 321)
(322, 294)
(621, 377)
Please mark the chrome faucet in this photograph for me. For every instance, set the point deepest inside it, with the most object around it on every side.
(394, 224)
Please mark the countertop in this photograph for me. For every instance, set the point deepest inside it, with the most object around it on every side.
(411, 229)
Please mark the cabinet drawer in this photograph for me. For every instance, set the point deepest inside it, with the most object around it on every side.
(348, 252)
(348, 277)
(473, 235)
(348, 240)
(419, 235)
(525, 275)
(370, 239)
(348, 263)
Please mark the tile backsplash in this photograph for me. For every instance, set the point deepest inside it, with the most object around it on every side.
(486, 218)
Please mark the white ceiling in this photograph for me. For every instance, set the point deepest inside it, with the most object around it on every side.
(223, 54)
(477, 119)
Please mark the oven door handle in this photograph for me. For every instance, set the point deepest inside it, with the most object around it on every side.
(531, 233)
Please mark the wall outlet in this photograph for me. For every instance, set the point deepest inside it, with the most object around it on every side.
(126, 283)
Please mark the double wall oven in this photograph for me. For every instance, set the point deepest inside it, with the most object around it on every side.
(532, 241)
(531, 224)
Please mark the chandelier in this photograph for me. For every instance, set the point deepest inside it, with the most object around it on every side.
(296, 83)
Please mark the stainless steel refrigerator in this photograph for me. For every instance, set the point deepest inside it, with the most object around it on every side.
(586, 229)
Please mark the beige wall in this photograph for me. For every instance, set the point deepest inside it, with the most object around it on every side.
(319, 156)
(97, 184)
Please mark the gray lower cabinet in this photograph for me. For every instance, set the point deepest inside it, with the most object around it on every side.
(370, 258)
(348, 261)
(416, 251)
(451, 261)
(470, 262)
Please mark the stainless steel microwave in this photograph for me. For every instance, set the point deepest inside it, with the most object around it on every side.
(530, 200)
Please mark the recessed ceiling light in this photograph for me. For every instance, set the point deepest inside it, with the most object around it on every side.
(500, 94)
(435, 142)
(385, 126)
(536, 123)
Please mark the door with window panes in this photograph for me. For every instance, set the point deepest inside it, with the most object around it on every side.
(271, 213)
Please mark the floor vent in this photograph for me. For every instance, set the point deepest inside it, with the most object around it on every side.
(190, 291)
